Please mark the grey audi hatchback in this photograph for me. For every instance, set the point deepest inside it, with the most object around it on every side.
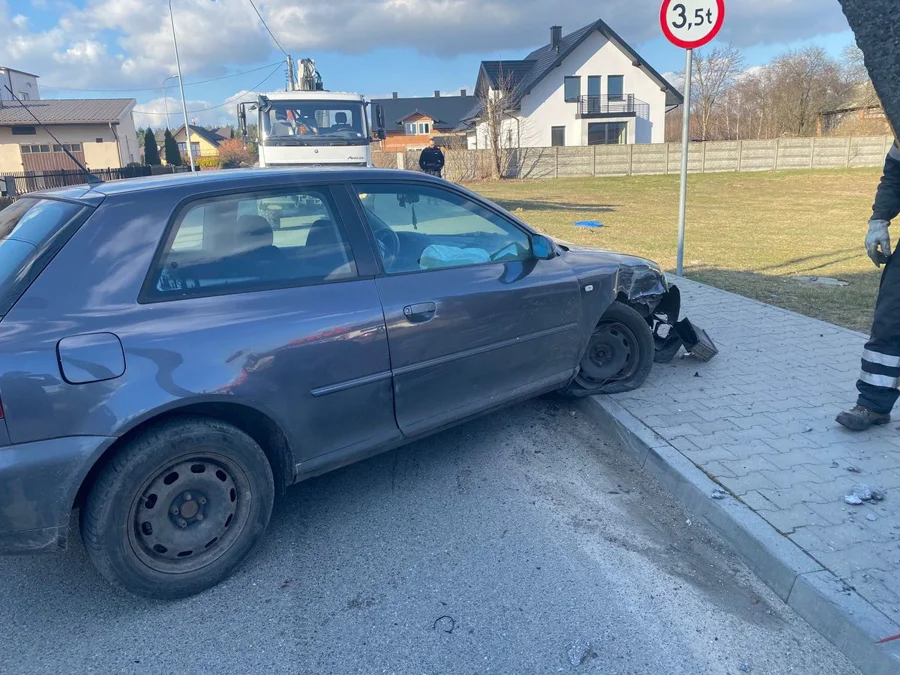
(175, 351)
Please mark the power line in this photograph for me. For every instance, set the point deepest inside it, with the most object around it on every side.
(186, 84)
(228, 101)
(266, 26)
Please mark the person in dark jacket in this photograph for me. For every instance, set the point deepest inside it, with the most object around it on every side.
(431, 161)
(879, 381)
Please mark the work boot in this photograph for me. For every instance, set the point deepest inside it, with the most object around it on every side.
(861, 418)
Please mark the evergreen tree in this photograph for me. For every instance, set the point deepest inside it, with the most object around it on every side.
(151, 152)
(173, 156)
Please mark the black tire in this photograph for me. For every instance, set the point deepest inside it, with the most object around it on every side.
(623, 328)
(201, 486)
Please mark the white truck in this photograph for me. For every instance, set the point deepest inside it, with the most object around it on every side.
(308, 126)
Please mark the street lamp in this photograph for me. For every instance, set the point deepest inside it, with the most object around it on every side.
(166, 97)
(187, 126)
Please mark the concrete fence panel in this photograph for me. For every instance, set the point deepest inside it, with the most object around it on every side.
(868, 151)
(721, 156)
(535, 162)
(794, 153)
(695, 158)
(830, 153)
(648, 159)
(757, 155)
(576, 162)
(611, 160)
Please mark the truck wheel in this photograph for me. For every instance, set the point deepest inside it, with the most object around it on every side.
(619, 354)
(177, 508)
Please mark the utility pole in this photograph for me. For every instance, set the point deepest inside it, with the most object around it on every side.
(187, 126)
(166, 97)
(292, 81)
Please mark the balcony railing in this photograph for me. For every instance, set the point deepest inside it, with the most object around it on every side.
(596, 106)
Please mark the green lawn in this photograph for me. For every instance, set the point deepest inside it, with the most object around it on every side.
(750, 233)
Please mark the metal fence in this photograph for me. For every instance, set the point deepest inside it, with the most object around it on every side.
(661, 158)
(15, 184)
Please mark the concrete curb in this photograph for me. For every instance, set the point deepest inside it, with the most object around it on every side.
(841, 615)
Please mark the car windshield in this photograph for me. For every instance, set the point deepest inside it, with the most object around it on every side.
(314, 120)
(31, 232)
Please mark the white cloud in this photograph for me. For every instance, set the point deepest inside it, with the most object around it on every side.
(215, 34)
(20, 21)
(204, 113)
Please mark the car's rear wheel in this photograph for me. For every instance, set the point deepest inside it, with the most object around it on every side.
(619, 354)
(177, 508)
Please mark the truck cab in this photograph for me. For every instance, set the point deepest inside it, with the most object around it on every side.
(312, 128)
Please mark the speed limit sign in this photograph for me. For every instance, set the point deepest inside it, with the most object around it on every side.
(692, 23)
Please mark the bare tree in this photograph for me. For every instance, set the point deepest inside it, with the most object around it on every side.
(805, 84)
(496, 121)
(715, 73)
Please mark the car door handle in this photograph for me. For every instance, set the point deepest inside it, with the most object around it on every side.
(420, 313)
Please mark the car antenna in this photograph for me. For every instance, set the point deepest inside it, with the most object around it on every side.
(91, 178)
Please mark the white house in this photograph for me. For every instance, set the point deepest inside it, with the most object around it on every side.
(585, 88)
(23, 85)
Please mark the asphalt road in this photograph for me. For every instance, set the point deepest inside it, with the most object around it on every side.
(492, 548)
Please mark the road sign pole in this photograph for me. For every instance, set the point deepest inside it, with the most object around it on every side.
(685, 147)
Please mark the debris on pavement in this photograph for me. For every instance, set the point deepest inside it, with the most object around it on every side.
(835, 465)
(718, 494)
(744, 668)
(863, 493)
(579, 651)
(853, 469)
(871, 517)
(447, 624)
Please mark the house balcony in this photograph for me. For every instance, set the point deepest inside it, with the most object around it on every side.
(598, 107)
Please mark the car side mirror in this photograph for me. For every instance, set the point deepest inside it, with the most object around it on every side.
(543, 247)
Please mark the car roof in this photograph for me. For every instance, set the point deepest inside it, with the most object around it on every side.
(224, 178)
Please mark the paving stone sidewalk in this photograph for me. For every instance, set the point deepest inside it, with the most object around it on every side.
(759, 419)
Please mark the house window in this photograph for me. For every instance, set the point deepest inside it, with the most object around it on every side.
(424, 128)
(23, 95)
(607, 133)
(195, 149)
(558, 137)
(573, 89)
(615, 86)
(24, 131)
(411, 128)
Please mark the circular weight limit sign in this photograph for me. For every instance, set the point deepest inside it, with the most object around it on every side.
(692, 23)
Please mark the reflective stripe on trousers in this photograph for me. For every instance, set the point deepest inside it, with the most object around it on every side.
(879, 381)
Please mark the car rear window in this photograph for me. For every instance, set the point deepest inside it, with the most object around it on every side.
(31, 232)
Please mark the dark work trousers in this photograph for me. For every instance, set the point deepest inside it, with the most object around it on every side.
(880, 379)
(433, 172)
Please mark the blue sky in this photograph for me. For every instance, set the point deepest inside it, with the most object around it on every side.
(371, 46)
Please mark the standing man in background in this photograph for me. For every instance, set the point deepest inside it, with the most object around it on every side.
(879, 382)
(431, 161)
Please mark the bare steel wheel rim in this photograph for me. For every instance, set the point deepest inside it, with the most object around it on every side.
(188, 514)
(613, 354)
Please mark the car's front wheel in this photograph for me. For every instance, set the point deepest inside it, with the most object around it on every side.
(619, 354)
(178, 507)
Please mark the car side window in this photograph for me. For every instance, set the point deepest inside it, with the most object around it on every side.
(252, 241)
(419, 228)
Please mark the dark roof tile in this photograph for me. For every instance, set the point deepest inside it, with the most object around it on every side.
(66, 111)
(446, 111)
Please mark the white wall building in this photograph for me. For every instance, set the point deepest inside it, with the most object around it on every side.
(585, 88)
(24, 85)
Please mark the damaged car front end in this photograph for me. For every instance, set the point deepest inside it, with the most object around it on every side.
(620, 350)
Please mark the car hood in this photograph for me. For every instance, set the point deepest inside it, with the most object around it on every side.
(577, 252)
(640, 280)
